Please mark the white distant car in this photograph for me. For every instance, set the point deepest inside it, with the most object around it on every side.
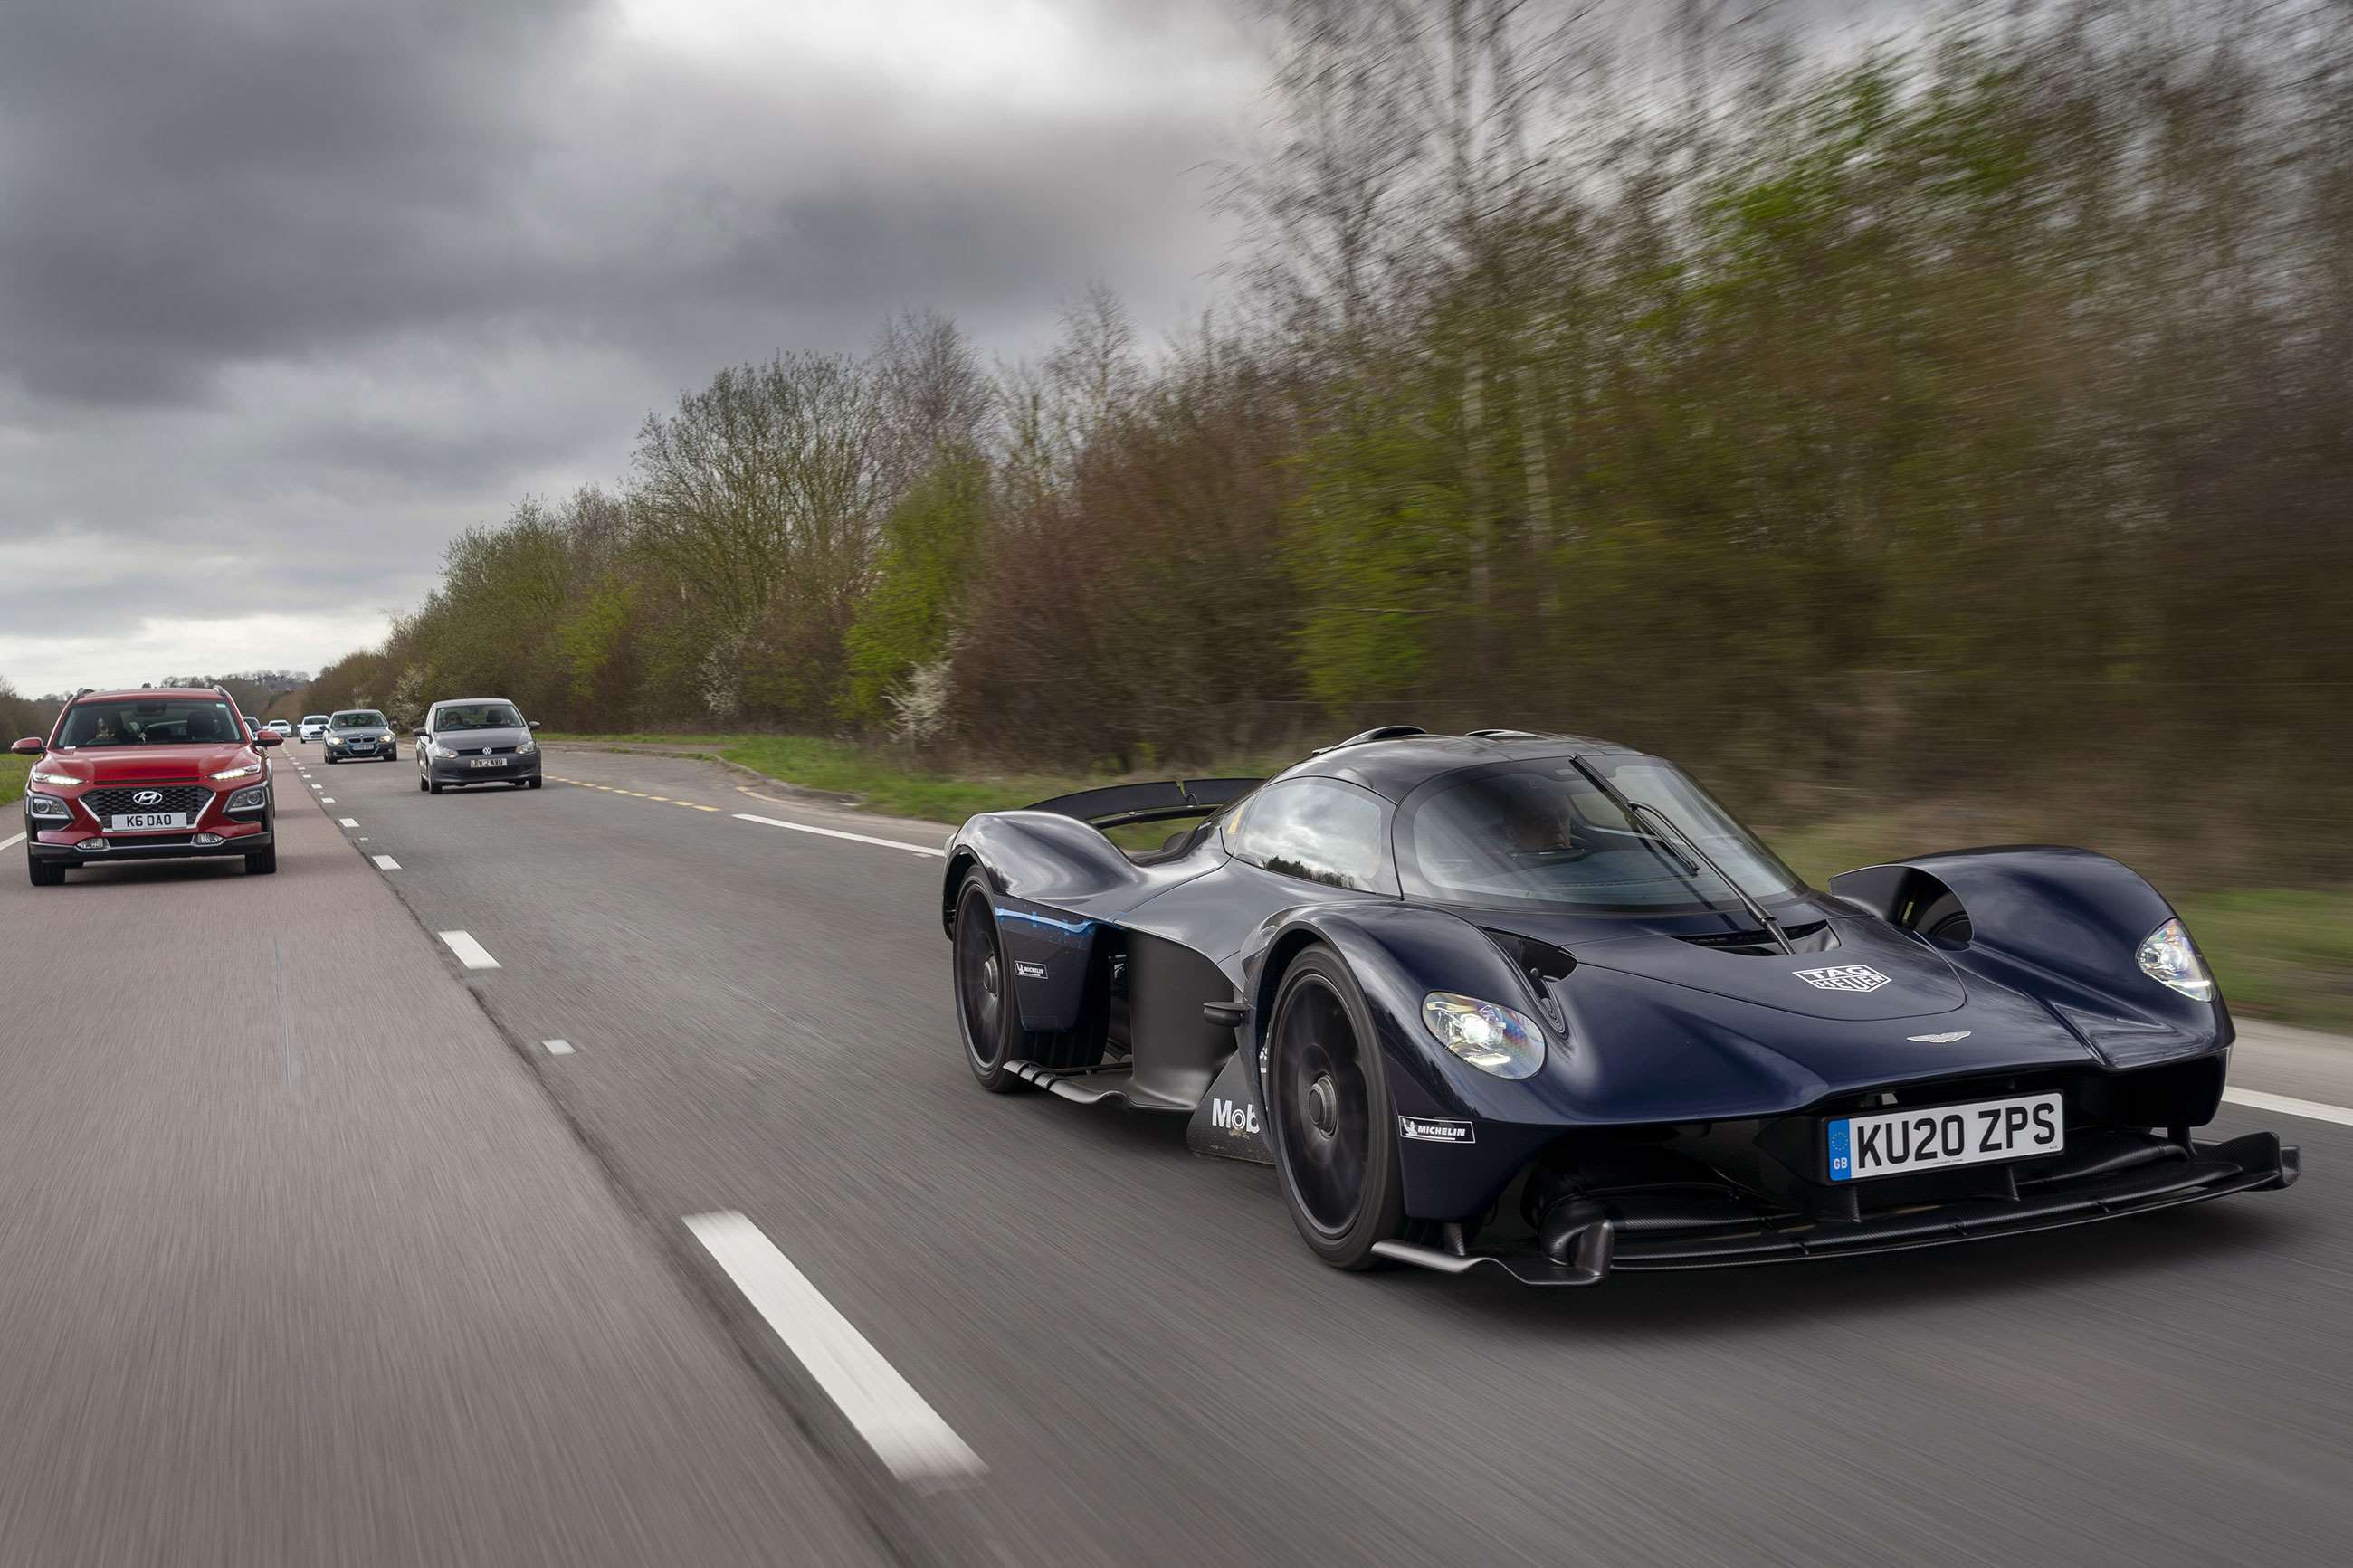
(280, 728)
(313, 726)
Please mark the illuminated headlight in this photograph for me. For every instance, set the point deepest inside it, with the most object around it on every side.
(43, 776)
(2168, 957)
(333, 740)
(47, 808)
(246, 771)
(524, 747)
(1493, 1039)
(252, 797)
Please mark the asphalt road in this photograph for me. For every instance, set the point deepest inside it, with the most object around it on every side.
(402, 1304)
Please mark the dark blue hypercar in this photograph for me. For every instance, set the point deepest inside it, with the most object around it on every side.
(1538, 1003)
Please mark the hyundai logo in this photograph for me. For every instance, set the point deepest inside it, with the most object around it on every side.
(148, 797)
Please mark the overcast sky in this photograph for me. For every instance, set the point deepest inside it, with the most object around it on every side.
(291, 290)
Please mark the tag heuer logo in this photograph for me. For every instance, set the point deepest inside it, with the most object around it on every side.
(1842, 977)
(148, 797)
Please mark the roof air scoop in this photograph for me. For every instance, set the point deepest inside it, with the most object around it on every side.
(1379, 733)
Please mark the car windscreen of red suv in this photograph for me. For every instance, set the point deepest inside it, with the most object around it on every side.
(148, 775)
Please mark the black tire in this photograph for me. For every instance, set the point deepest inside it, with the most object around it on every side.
(421, 785)
(988, 1019)
(44, 873)
(392, 753)
(433, 786)
(530, 784)
(262, 862)
(1329, 1116)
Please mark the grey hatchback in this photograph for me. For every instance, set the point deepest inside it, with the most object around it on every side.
(476, 739)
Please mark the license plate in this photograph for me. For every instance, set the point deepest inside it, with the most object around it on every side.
(488, 763)
(1930, 1136)
(149, 822)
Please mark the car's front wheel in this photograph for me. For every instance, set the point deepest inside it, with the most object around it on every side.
(44, 873)
(1329, 1113)
(989, 1015)
(261, 862)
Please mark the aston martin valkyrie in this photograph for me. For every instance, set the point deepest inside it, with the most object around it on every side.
(1538, 1003)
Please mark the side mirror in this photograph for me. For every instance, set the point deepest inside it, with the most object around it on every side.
(30, 746)
(269, 738)
(534, 723)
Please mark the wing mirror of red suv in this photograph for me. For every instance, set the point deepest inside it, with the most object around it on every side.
(269, 737)
(30, 746)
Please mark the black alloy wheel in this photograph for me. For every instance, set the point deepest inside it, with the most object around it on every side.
(984, 984)
(1329, 1114)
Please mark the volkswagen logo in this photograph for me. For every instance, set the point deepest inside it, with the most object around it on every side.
(148, 797)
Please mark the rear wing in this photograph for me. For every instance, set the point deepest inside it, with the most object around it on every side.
(1118, 805)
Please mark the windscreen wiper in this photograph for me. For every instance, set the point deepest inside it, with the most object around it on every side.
(1754, 908)
(1633, 809)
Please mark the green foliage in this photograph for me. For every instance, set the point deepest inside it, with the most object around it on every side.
(928, 541)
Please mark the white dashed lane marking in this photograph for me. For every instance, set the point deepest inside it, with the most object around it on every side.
(904, 1432)
(557, 1047)
(470, 954)
(837, 833)
(383, 862)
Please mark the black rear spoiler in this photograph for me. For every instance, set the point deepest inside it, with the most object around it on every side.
(1117, 806)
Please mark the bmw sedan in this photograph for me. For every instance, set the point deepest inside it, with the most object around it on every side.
(360, 735)
(473, 740)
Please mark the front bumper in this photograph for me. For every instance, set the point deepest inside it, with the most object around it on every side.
(2125, 1174)
(461, 770)
(66, 849)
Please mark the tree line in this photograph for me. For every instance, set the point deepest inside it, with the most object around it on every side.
(1967, 417)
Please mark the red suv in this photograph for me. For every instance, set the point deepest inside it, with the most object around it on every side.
(147, 775)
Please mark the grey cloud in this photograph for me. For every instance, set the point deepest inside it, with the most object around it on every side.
(297, 289)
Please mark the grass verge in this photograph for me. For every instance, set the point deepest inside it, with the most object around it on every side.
(12, 776)
(2280, 953)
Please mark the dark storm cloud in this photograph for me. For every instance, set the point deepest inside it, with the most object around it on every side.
(187, 184)
(292, 291)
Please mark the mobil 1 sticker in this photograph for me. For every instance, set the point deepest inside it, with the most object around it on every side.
(1431, 1129)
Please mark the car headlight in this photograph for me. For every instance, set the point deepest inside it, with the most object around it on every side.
(1493, 1039)
(525, 746)
(41, 777)
(2168, 957)
(334, 740)
(437, 749)
(252, 797)
(47, 808)
(246, 771)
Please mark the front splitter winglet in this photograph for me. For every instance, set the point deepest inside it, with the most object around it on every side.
(1619, 1241)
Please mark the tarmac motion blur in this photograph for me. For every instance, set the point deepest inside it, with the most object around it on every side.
(591, 1176)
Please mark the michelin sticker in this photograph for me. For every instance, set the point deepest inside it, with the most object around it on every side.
(1424, 1130)
(1028, 971)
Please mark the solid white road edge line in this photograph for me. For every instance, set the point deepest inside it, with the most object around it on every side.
(557, 1047)
(12, 843)
(2257, 1100)
(384, 862)
(837, 833)
(904, 1432)
(470, 954)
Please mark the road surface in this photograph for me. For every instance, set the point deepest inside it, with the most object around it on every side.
(745, 1267)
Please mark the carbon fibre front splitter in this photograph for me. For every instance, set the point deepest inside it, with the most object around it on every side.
(2256, 1161)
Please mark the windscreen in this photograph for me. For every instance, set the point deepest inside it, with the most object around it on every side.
(1541, 832)
(360, 719)
(314, 718)
(165, 721)
(476, 716)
